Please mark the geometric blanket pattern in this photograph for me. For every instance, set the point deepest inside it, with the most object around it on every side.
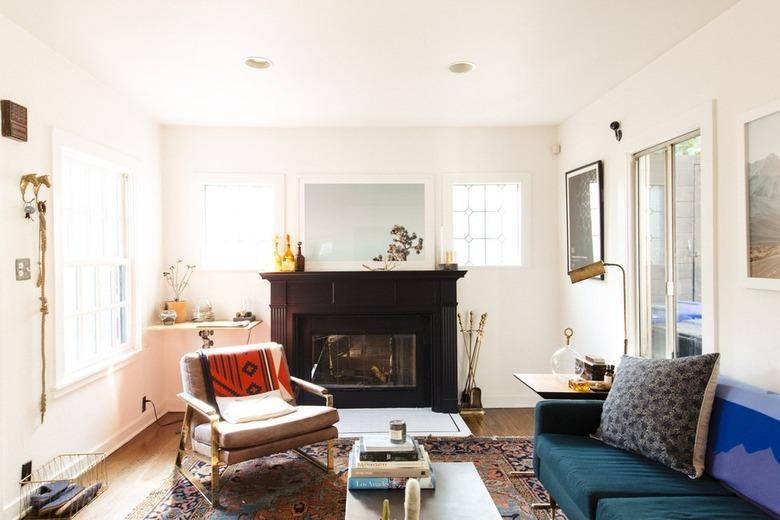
(241, 372)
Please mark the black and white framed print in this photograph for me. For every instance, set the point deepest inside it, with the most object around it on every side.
(585, 215)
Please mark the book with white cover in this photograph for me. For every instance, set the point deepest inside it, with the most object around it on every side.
(390, 470)
(420, 462)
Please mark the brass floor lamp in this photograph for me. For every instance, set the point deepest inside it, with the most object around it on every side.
(598, 269)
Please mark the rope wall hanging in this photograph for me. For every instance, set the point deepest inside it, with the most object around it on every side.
(31, 206)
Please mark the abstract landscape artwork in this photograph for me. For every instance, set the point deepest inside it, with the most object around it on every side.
(762, 157)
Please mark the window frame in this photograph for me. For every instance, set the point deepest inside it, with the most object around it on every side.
(68, 380)
(276, 181)
(671, 272)
(523, 179)
(702, 119)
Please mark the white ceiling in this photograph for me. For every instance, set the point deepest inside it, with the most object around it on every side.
(362, 62)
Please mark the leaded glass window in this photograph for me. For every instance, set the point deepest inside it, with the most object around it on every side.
(486, 224)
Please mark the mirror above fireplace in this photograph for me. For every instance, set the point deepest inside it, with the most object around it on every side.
(346, 222)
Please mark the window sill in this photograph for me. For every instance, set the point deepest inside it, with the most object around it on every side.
(94, 372)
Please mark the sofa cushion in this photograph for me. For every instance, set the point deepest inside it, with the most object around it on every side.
(677, 508)
(586, 470)
(660, 408)
(305, 419)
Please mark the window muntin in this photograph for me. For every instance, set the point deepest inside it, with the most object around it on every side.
(94, 259)
(239, 225)
(486, 223)
(669, 248)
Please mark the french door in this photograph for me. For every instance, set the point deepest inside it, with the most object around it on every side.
(669, 248)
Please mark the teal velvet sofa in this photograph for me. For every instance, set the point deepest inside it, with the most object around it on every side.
(590, 480)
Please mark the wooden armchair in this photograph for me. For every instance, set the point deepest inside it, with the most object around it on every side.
(218, 442)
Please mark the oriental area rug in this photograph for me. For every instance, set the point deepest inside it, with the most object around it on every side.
(284, 486)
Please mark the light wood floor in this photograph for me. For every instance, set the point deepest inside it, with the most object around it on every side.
(143, 464)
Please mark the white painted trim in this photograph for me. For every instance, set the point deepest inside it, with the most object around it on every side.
(703, 119)
(767, 284)
(429, 253)
(96, 372)
(129, 165)
(276, 180)
(525, 181)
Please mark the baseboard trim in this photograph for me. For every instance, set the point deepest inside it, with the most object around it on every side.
(510, 401)
(109, 446)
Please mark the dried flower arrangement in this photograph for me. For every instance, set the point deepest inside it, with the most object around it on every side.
(399, 249)
(178, 279)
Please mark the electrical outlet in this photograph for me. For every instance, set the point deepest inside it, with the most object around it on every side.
(22, 268)
(26, 470)
(144, 400)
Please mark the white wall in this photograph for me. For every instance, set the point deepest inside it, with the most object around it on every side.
(101, 414)
(733, 60)
(521, 302)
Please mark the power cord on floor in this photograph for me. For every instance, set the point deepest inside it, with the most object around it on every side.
(157, 419)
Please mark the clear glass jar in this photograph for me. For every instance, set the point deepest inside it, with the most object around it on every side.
(564, 360)
(168, 316)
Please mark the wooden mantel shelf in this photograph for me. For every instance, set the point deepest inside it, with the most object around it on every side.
(376, 275)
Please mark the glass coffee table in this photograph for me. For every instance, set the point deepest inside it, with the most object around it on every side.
(459, 494)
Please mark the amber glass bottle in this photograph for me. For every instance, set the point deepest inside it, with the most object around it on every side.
(288, 261)
(300, 260)
(277, 256)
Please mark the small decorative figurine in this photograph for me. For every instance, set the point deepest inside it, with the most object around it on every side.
(412, 500)
(300, 260)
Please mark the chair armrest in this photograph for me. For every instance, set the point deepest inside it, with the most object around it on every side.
(314, 389)
(200, 406)
(569, 416)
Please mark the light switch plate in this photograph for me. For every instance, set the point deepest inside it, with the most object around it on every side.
(22, 268)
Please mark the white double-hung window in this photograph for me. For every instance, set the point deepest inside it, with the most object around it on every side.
(92, 263)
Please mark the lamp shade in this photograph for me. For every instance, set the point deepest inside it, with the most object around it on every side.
(587, 271)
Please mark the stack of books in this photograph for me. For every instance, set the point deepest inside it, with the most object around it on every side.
(377, 463)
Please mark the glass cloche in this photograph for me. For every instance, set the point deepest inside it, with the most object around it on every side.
(564, 360)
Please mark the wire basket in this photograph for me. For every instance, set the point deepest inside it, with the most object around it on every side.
(75, 472)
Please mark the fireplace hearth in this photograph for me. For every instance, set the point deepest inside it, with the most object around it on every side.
(374, 339)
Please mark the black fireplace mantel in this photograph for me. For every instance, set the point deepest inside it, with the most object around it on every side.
(431, 295)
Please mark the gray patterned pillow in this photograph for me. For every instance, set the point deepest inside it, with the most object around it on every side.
(660, 408)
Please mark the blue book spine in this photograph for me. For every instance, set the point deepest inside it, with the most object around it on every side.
(387, 482)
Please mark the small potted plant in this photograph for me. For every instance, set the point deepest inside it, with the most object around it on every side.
(178, 278)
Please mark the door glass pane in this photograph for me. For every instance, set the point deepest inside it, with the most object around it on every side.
(651, 170)
(687, 222)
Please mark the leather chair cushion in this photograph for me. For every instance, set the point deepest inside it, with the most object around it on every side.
(242, 454)
(305, 419)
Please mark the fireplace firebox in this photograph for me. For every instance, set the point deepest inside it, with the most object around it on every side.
(374, 339)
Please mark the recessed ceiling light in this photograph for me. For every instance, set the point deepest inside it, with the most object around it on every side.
(258, 62)
(462, 67)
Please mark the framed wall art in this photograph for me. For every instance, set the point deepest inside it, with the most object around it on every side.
(760, 138)
(585, 215)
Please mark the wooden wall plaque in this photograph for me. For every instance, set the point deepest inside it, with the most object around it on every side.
(14, 123)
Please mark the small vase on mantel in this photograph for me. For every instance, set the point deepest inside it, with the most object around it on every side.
(300, 260)
(288, 260)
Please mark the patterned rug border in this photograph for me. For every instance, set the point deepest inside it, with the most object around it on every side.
(521, 485)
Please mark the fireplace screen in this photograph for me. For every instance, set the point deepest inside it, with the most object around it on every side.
(364, 360)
